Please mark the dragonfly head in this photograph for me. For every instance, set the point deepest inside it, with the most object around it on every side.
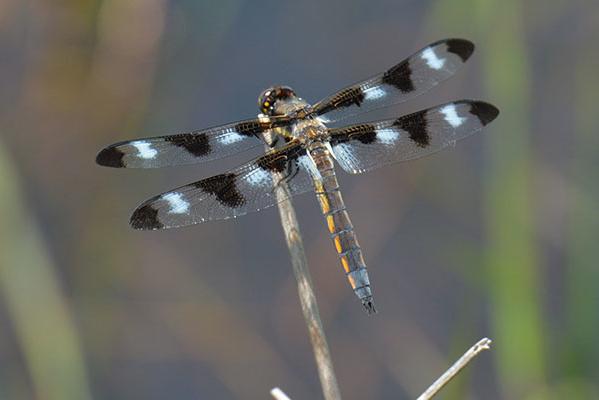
(272, 98)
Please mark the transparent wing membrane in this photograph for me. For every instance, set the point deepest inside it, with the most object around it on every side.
(364, 147)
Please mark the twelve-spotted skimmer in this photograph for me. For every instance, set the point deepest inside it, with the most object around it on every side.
(305, 160)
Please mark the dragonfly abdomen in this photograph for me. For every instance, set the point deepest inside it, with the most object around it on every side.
(340, 228)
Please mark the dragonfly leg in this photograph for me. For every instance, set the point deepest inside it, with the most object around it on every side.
(292, 171)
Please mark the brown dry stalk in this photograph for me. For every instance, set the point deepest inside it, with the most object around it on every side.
(481, 345)
(305, 289)
(299, 262)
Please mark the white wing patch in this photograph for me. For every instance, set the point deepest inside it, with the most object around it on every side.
(451, 115)
(177, 204)
(374, 93)
(230, 138)
(345, 155)
(307, 163)
(387, 136)
(258, 177)
(432, 60)
(145, 150)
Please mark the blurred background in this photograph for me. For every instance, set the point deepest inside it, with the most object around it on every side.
(496, 237)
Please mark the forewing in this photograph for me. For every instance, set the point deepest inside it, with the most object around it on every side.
(364, 147)
(410, 78)
(191, 147)
(248, 188)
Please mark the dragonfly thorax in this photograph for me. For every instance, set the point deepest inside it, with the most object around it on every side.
(310, 130)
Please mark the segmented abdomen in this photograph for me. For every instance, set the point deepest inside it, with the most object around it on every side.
(340, 226)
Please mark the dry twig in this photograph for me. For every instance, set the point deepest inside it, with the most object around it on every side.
(324, 363)
(278, 394)
(483, 344)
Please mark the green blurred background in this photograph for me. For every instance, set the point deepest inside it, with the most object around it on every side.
(496, 237)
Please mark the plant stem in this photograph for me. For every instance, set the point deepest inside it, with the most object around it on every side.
(305, 289)
(483, 344)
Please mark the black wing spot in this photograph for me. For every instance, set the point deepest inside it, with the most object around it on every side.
(256, 128)
(250, 128)
(345, 98)
(367, 136)
(279, 161)
(460, 47)
(224, 188)
(111, 157)
(196, 144)
(365, 133)
(400, 77)
(273, 163)
(146, 217)
(416, 126)
(484, 111)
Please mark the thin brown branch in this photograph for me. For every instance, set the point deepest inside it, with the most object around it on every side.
(324, 363)
(278, 394)
(483, 344)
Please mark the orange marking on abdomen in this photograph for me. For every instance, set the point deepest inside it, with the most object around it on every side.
(324, 204)
(346, 266)
(338, 244)
(331, 223)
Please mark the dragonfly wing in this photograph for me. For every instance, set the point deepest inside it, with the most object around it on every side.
(364, 147)
(190, 147)
(415, 75)
(248, 188)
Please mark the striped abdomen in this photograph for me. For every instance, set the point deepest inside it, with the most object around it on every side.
(340, 226)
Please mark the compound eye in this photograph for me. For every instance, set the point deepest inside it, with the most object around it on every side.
(266, 106)
(264, 101)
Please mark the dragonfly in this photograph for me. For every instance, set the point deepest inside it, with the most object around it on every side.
(304, 148)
